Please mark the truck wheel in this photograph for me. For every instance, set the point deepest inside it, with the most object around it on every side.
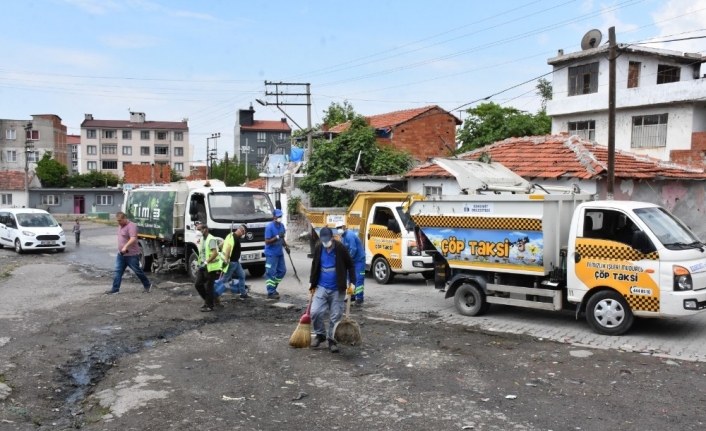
(145, 261)
(193, 266)
(470, 300)
(256, 271)
(381, 271)
(608, 313)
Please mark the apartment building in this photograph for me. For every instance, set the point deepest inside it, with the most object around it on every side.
(27, 140)
(660, 100)
(255, 139)
(73, 148)
(110, 145)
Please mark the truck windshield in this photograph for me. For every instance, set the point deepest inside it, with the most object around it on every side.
(239, 206)
(36, 220)
(407, 221)
(669, 230)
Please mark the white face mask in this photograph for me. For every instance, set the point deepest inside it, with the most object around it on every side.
(278, 219)
(339, 231)
(327, 244)
(199, 235)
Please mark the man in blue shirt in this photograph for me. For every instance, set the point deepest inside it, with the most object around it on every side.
(331, 271)
(275, 268)
(357, 252)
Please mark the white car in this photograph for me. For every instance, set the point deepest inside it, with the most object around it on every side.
(30, 229)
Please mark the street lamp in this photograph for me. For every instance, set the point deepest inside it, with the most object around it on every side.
(211, 154)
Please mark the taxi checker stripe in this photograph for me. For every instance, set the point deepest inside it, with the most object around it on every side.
(614, 251)
(507, 223)
(354, 220)
(396, 263)
(643, 303)
(383, 233)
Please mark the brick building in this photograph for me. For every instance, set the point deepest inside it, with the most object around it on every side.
(421, 131)
(147, 174)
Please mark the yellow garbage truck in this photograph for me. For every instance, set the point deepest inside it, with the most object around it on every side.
(612, 260)
(383, 225)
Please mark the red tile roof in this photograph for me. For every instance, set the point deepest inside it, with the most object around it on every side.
(268, 125)
(428, 170)
(391, 119)
(13, 180)
(561, 156)
(126, 124)
(73, 139)
(259, 183)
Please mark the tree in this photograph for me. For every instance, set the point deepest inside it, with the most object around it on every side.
(50, 172)
(544, 90)
(174, 176)
(336, 160)
(490, 122)
(338, 113)
(231, 172)
(93, 179)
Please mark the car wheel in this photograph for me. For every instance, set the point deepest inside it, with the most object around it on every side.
(608, 313)
(381, 271)
(256, 271)
(193, 265)
(470, 300)
(18, 246)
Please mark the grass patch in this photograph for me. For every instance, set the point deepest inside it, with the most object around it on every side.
(7, 271)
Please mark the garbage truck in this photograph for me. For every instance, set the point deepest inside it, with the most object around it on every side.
(166, 218)
(383, 226)
(612, 260)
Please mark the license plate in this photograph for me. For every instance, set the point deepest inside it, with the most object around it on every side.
(251, 256)
(46, 242)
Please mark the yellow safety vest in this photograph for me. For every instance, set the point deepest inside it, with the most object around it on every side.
(205, 252)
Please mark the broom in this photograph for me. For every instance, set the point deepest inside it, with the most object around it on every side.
(301, 338)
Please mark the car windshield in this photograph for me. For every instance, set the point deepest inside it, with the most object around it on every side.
(671, 232)
(36, 220)
(240, 206)
(407, 221)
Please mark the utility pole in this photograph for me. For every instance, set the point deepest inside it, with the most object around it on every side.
(246, 150)
(612, 53)
(225, 168)
(29, 149)
(277, 93)
(210, 154)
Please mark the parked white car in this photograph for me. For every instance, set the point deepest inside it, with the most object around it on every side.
(30, 229)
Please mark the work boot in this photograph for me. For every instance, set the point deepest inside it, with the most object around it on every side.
(318, 339)
(332, 346)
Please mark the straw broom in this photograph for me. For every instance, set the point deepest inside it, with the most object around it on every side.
(301, 338)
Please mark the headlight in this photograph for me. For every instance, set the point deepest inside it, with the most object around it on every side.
(412, 249)
(61, 233)
(26, 233)
(682, 278)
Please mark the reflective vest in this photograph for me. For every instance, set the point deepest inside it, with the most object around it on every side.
(228, 241)
(205, 252)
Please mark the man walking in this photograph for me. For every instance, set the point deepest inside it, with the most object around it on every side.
(331, 269)
(231, 265)
(128, 254)
(275, 268)
(357, 252)
(210, 264)
(77, 231)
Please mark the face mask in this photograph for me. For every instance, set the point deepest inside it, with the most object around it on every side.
(199, 235)
(278, 219)
(339, 231)
(327, 244)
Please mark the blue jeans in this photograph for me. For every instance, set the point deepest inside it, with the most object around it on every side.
(331, 300)
(122, 262)
(359, 280)
(274, 272)
(237, 269)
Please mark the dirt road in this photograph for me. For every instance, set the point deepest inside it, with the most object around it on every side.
(71, 357)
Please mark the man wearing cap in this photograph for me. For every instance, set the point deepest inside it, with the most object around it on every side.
(209, 265)
(231, 260)
(357, 252)
(331, 271)
(275, 268)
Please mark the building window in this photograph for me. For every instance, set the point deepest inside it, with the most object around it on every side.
(667, 74)
(109, 164)
(281, 137)
(127, 134)
(161, 136)
(584, 129)
(432, 190)
(6, 199)
(145, 163)
(104, 200)
(261, 137)
(10, 134)
(109, 134)
(91, 150)
(145, 135)
(11, 155)
(161, 150)
(144, 151)
(92, 166)
(178, 136)
(127, 151)
(261, 151)
(33, 135)
(51, 200)
(109, 149)
(179, 167)
(583, 79)
(125, 164)
(634, 74)
(178, 151)
(91, 133)
(32, 157)
(649, 131)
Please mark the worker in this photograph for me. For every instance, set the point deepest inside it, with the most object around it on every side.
(357, 252)
(275, 268)
(231, 260)
(330, 265)
(210, 265)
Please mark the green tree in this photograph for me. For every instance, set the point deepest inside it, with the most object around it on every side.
(338, 113)
(231, 172)
(490, 122)
(544, 90)
(174, 176)
(337, 159)
(93, 179)
(50, 172)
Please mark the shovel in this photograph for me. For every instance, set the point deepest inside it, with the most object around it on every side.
(347, 331)
(295, 269)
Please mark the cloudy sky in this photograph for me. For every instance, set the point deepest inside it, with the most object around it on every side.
(205, 60)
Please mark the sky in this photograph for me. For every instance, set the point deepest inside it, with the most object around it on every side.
(205, 60)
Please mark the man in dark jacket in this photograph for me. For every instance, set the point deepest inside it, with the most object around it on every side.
(332, 271)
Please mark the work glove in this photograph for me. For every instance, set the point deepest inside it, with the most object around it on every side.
(225, 265)
(281, 235)
(312, 290)
(286, 248)
(350, 290)
(202, 266)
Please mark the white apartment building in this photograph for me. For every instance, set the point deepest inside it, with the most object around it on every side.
(110, 145)
(660, 98)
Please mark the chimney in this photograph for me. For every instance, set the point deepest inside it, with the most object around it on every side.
(284, 120)
(560, 53)
(137, 117)
(88, 116)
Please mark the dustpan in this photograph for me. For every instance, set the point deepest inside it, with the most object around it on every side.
(347, 331)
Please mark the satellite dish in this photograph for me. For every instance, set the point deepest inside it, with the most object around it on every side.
(592, 39)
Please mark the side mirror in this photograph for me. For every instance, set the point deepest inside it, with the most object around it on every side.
(59, 224)
(193, 209)
(194, 216)
(393, 226)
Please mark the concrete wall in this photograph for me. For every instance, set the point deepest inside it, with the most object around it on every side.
(66, 200)
(449, 186)
(51, 138)
(19, 199)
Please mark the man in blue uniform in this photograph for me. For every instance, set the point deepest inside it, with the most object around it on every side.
(275, 268)
(357, 252)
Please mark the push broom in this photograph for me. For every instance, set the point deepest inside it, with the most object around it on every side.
(301, 338)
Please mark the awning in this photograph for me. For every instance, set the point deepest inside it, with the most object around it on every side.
(358, 185)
